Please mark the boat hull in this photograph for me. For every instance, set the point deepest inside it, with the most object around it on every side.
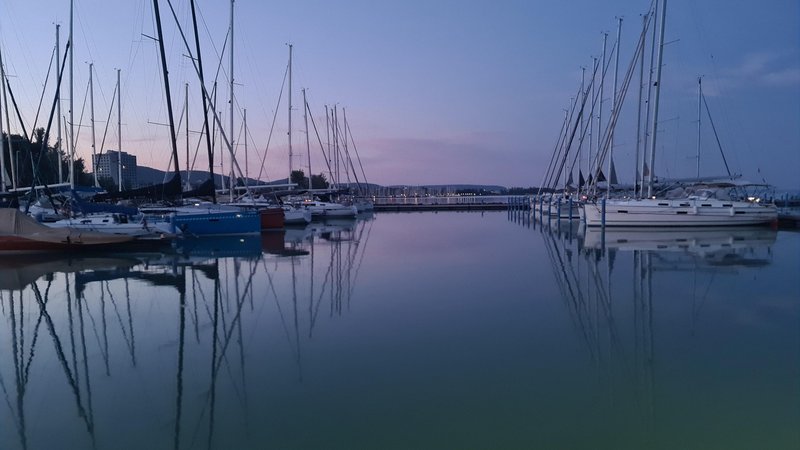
(272, 219)
(678, 213)
(218, 223)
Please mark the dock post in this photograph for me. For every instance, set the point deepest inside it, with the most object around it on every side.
(558, 208)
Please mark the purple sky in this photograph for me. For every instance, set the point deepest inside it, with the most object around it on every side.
(435, 91)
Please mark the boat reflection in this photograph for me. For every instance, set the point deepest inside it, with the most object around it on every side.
(94, 337)
(614, 283)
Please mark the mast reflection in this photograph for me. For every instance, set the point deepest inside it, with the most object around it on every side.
(112, 321)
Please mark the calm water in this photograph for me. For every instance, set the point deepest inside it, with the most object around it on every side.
(410, 331)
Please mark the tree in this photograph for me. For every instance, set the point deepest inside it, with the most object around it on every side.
(319, 181)
(298, 177)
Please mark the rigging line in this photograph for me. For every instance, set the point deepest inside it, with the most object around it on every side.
(357, 156)
(44, 88)
(80, 119)
(16, 108)
(272, 128)
(349, 159)
(319, 139)
(258, 153)
(108, 120)
(719, 145)
(552, 156)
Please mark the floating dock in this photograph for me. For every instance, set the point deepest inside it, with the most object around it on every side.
(442, 207)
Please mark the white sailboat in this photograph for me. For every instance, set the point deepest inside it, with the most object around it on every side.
(699, 204)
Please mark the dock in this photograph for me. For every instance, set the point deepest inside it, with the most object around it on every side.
(441, 207)
(788, 219)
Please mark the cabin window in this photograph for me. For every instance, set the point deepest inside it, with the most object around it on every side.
(728, 205)
(681, 212)
(663, 204)
(685, 204)
(739, 212)
(706, 204)
(624, 211)
(105, 220)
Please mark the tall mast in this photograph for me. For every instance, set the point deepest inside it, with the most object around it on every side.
(699, 115)
(600, 111)
(119, 132)
(4, 176)
(58, 105)
(206, 129)
(335, 126)
(166, 89)
(9, 147)
(328, 140)
(654, 128)
(290, 113)
(186, 119)
(614, 105)
(71, 96)
(91, 110)
(637, 179)
(589, 160)
(231, 142)
(246, 162)
(308, 145)
(648, 102)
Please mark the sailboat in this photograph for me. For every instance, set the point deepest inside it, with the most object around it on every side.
(21, 233)
(710, 203)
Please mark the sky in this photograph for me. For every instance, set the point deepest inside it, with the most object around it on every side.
(435, 91)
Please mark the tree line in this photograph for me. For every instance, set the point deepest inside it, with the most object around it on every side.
(36, 162)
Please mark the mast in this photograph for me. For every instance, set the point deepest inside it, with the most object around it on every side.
(205, 102)
(648, 102)
(91, 109)
(614, 106)
(58, 105)
(4, 175)
(308, 145)
(654, 128)
(246, 163)
(290, 113)
(10, 147)
(328, 140)
(186, 119)
(699, 115)
(119, 133)
(600, 111)
(166, 89)
(71, 97)
(637, 183)
(230, 143)
(334, 128)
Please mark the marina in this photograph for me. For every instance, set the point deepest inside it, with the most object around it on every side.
(511, 333)
(399, 225)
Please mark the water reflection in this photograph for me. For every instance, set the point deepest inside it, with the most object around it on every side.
(650, 307)
(105, 346)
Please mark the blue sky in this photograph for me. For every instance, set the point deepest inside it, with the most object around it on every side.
(435, 91)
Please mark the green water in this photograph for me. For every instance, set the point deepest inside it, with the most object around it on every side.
(410, 331)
